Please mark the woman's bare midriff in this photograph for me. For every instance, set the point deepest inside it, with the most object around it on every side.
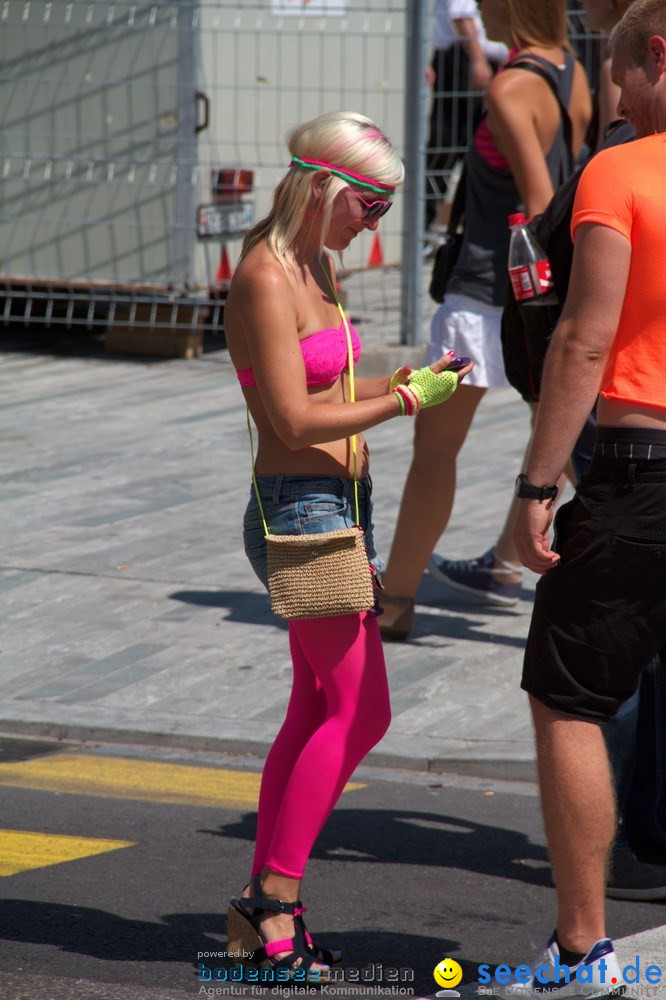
(615, 413)
(331, 458)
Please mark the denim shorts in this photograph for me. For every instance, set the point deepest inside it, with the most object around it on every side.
(302, 505)
(600, 615)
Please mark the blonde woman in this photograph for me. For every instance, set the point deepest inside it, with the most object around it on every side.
(516, 159)
(290, 351)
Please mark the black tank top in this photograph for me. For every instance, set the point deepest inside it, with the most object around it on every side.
(491, 196)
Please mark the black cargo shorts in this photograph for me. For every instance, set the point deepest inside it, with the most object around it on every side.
(600, 616)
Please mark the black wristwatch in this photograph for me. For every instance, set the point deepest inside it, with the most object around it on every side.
(528, 491)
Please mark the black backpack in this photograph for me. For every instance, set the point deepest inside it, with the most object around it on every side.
(526, 330)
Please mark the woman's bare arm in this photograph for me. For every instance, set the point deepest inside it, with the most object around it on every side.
(513, 110)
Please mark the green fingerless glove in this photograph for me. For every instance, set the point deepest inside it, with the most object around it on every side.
(432, 388)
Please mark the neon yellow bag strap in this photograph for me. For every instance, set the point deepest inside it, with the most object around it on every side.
(352, 399)
(254, 474)
(352, 389)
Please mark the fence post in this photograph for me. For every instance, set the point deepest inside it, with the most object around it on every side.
(418, 33)
(185, 193)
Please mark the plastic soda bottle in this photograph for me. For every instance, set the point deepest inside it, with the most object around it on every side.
(529, 268)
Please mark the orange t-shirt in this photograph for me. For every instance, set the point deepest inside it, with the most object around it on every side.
(624, 188)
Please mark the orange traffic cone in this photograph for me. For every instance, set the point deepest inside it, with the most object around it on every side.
(376, 258)
(224, 271)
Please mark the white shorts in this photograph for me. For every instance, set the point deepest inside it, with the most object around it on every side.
(471, 329)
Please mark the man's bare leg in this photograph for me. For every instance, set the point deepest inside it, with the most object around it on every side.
(579, 813)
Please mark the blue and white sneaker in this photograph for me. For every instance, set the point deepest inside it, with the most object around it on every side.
(478, 578)
(597, 975)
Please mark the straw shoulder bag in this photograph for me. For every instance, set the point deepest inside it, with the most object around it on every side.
(323, 574)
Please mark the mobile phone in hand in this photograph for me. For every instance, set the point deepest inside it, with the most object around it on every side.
(457, 364)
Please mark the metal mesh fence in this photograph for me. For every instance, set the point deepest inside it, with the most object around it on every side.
(139, 140)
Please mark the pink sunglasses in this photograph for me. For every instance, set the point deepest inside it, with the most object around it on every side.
(371, 209)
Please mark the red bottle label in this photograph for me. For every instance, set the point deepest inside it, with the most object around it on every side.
(530, 280)
(521, 282)
(544, 276)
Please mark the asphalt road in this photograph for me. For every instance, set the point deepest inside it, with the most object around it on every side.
(117, 864)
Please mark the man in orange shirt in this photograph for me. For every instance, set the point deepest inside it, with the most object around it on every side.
(600, 607)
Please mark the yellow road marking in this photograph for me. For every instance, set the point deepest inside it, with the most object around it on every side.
(146, 781)
(21, 850)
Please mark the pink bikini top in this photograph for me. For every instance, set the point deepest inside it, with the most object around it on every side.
(324, 354)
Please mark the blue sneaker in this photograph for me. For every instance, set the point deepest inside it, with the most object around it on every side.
(477, 577)
(601, 978)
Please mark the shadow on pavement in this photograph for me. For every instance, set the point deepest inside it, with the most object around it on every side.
(253, 608)
(243, 606)
(419, 838)
(108, 936)
(179, 937)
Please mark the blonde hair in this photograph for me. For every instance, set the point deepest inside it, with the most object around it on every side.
(642, 20)
(345, 139)
(538, 22)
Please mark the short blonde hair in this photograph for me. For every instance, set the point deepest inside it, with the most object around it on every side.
(345, 139)
(642, 20)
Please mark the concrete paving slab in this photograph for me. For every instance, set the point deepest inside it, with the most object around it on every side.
(130, 613)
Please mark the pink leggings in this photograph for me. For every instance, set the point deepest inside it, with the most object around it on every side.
(338, 710)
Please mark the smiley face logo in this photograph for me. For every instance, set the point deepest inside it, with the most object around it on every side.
(447, 973)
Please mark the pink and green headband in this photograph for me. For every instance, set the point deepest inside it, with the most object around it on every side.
(346, 175)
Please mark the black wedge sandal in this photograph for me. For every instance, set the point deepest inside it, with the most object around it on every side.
(322, 955)
(246, 938)
(325, 956)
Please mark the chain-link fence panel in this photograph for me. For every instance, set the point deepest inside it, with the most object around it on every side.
(141, 140)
